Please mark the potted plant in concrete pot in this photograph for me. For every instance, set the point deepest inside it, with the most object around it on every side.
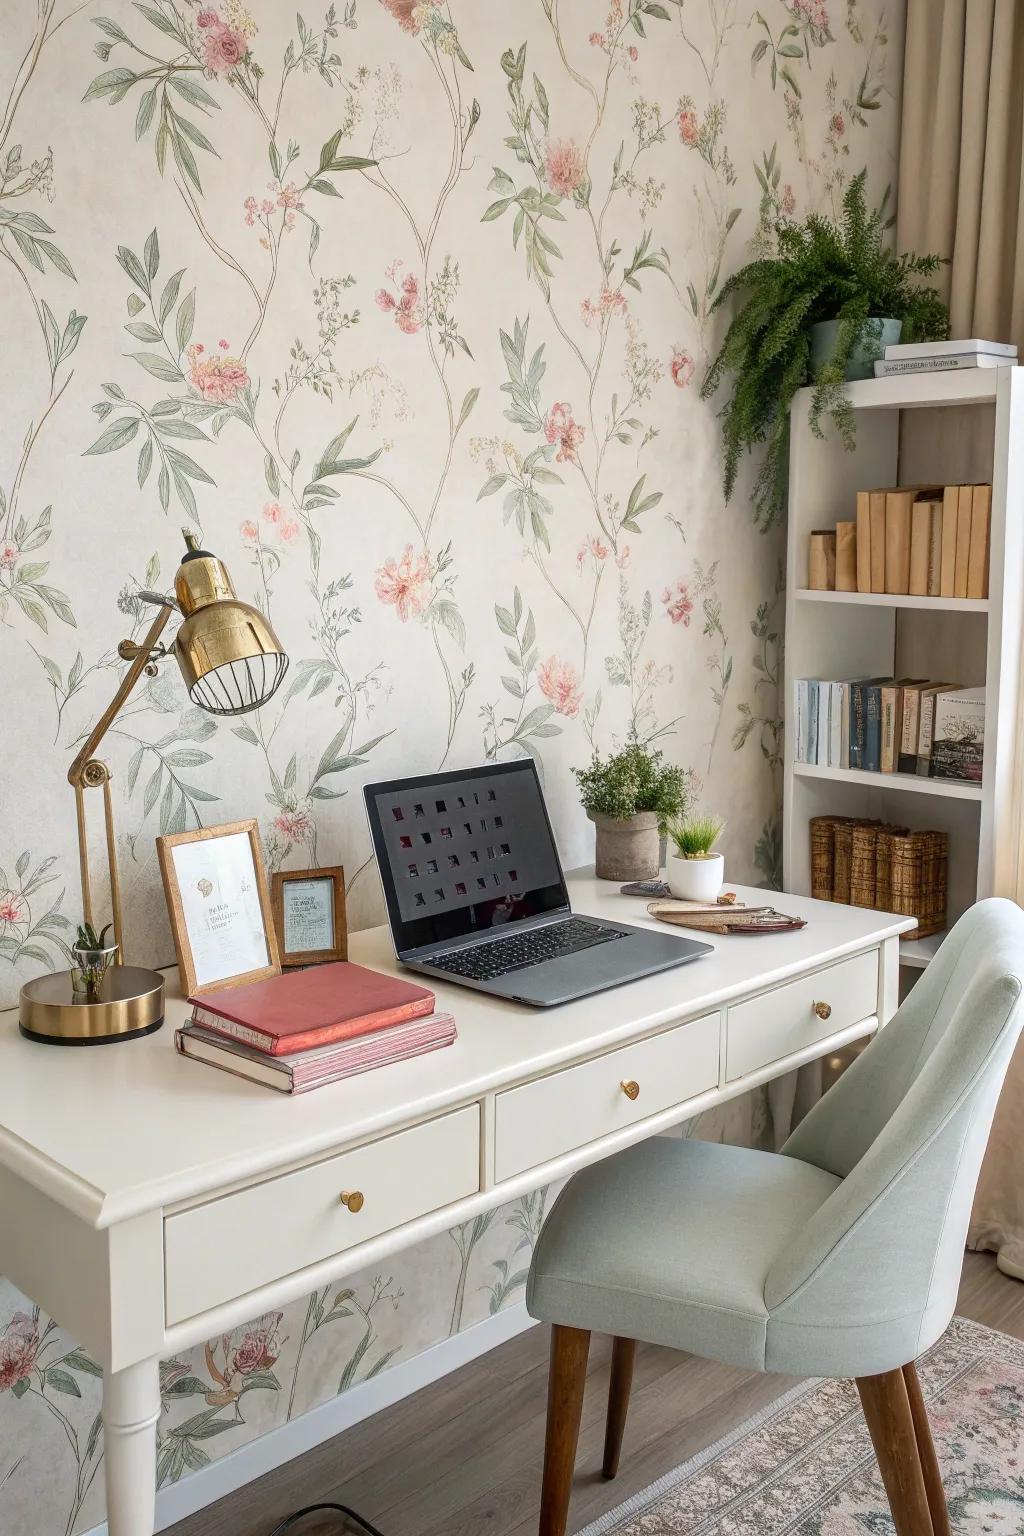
(693, 870)
(93, 958)
(630, 797)
(818, 312)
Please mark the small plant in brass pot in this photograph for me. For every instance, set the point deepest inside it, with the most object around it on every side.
(694, 871)
(93, 958)
(630, 797)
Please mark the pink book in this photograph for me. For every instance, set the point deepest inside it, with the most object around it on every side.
(302, 1070)
(318, 1006)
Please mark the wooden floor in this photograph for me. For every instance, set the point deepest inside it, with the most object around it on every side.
(462, 1457)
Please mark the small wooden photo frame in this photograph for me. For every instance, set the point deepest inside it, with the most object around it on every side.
(309, 915)
(218, 901)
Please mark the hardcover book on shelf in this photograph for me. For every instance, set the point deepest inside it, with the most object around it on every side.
(925, 726)
(824, 693)
(887, 369)
(964, 514)
(947, 563)
(958, 735)
(863, 541)
(906, 761)
(899, 510)
(902, 350)
(299, 1071)
(978, 549)
(846, 557)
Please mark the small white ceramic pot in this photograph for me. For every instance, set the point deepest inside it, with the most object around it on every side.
(695, 879)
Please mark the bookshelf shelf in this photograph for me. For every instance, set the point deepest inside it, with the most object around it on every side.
(918, 952)
(911, 783)
(919, 429)
(895, 600)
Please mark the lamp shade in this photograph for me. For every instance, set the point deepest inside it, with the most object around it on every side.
(228, 653)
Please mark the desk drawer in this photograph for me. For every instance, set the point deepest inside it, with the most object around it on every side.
(229, 1246)
(779, 1023)
(556, 1114)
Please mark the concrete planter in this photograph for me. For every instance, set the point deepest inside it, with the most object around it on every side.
(629, 849)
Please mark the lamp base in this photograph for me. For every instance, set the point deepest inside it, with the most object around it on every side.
(131, 1004)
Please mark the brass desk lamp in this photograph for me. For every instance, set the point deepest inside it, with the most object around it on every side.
(232, 662)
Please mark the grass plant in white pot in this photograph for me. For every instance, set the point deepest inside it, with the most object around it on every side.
(693, 870)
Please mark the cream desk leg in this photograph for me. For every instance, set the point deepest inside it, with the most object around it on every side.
(131, 1408)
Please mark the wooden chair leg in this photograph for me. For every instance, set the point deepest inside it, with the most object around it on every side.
(623, 1360)
(886, 1407)
(926, 1451)
(566, 1378)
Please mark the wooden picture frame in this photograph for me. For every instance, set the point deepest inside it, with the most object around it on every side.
(192, 871)
(336, 929)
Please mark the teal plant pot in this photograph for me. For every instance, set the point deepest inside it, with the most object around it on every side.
(868, 348)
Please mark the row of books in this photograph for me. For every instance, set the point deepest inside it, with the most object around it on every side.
(869, 863)
(944, 357)
(313, 1027)
(921, 541)
(882, 725)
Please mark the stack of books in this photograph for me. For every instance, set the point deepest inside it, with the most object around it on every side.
(945, 357)
(885, 725)
(921, 541)
(313, 1027)
(865, 863)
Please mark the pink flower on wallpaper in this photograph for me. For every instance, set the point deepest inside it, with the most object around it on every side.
(596, 39)
(681, 367)
(249, 531)
(594, 548)
(612, 302)
(19, 1346)
(296, 826)
(838, 125)
(563, 162)
(560, 428)
(402, 11)
(812, 11)
(406, 308)
(287, 528)
(560, 683)
(622, 558)
(216, 378)
(405, 583)
(634, 53)
(689, 126)
(12, 909)
(223, 47)
(8, 555)
(787, 202)
(678, 602)
(260, 1346)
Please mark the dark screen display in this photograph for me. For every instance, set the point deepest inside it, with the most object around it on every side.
(462, 853)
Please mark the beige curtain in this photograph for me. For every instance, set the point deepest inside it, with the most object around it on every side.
(961, 186)
(961, 193)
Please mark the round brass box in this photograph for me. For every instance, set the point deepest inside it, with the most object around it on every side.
(131, 1004)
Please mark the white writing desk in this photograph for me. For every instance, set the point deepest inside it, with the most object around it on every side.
(119, 1165)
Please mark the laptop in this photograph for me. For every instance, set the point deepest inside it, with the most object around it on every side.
(476, 895)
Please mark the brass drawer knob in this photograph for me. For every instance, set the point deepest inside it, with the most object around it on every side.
(630, 1088)
(823, 1010)
(353, 1198)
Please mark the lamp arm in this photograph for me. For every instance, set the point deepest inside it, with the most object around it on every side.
(86, 772)
(76, 773)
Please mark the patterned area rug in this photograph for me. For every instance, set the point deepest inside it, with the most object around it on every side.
(805, 1467)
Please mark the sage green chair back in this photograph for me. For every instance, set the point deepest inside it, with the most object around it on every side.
(905, 1129)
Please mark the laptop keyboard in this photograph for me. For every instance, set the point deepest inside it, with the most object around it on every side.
(486, 962)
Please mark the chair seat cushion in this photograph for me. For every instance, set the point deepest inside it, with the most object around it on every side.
(671, 1241)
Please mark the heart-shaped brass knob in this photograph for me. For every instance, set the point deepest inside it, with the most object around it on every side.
(630, 1088)
(823, 1010)
(353, 1198)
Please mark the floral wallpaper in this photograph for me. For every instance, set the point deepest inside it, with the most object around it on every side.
(404, 307)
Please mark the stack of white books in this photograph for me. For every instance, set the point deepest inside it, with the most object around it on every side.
(945, 356)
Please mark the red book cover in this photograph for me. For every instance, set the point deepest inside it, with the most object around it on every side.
(313, 1007)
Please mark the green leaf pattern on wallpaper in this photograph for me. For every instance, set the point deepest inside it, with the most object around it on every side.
(403, 307)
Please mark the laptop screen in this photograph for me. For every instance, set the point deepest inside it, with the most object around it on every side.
(463, 853)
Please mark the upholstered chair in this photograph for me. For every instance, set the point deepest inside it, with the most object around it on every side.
(839, 1256)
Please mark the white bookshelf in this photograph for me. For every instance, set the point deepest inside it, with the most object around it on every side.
(917, 429)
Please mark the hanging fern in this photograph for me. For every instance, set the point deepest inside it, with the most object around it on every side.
(821, 272)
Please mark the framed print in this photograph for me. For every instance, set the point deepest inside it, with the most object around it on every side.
(219, 905)
(309, 915)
